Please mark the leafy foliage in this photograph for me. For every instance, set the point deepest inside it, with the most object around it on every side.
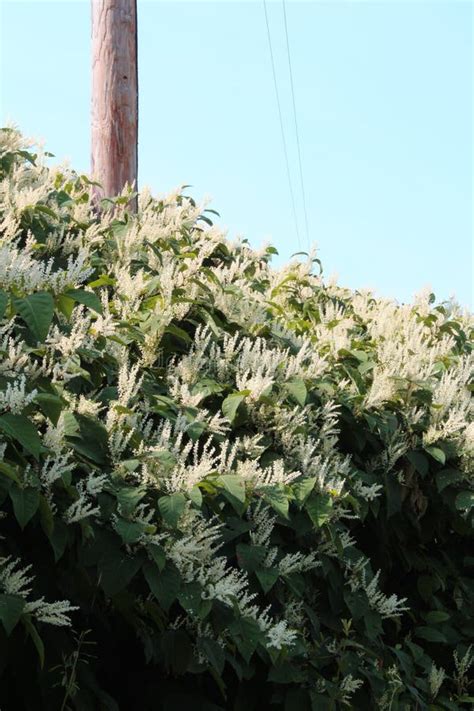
(222, 486)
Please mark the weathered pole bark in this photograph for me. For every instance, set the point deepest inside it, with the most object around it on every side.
(114, 135)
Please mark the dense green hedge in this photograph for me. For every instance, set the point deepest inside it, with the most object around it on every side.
(222, 485)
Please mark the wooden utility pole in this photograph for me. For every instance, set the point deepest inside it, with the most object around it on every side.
(114, 136)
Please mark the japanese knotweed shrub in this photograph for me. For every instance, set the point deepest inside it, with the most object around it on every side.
(222, 485)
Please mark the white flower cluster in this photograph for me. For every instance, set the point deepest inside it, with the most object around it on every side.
(297, 563)
(462, 666)
(15, 398)
(54, 468)
(194, 554)
(14, 359)
(249, 363)
(86, 504)
(285, 354)
(54, 437)
(348, 687)
(388, 607)
(435, 680)
(20, 269)
(14, 580)
(453, 406)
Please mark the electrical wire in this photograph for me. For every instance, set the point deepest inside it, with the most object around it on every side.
(296, 126)
(285, 150)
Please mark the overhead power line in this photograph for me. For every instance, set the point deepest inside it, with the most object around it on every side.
(296, 125)
(285, 150)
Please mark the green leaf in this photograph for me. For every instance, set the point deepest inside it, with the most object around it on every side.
(171, 507)
(319, 508)
(128, 498)
(25, 503)
(393, 492)
(129, 531)
(206, 387)
(267, 578)
(46, 516)
(165, 586)
(71, 425)
(437, 454)
(37, 641)
(177, 651)
(373, 624)
(426, 586)
(278, 500)
(51, 405)
(356, 378)
(93, 441)
(446, 477)
(234, 491)
(190, 597)
(286, 673)
(196, 496)
(3, 303)
(234, 485)
(297, 583)
(231, 404)
(430, 634)
(465, 500)
(131, 465)
(117, 571)
(357, 604)
(23, 431)
(213, 652)
(178, 332)
(46, 210)
(419, 461)
(302, 489)
(11, 607)
(59, 538)
(37, 311)
(103, 280)
(297, 389)
(10, 472)
(250, 557)
(250, 636)
(158, 555)
(436, 616)
(205, 608)
(87, 298)
(65, 305)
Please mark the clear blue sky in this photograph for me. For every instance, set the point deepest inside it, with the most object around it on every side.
(384, 94)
